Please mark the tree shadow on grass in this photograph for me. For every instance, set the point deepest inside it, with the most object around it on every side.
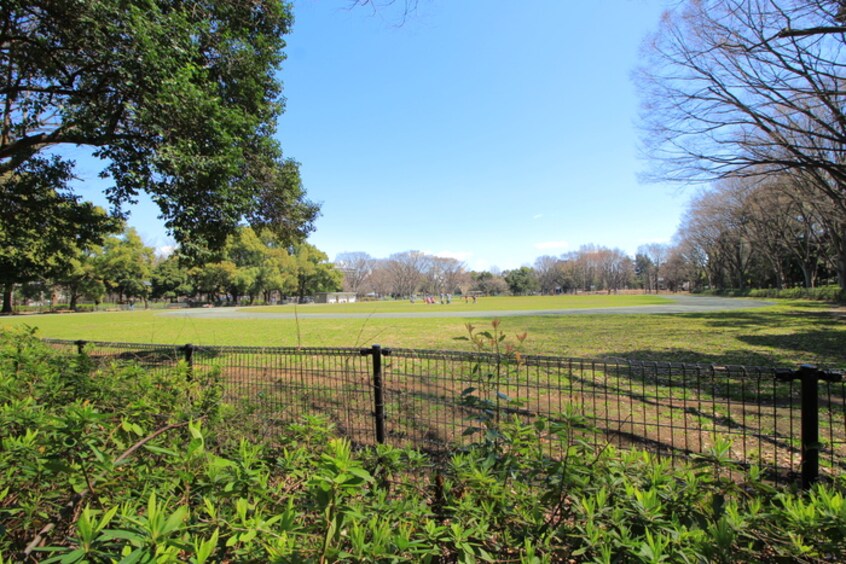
(615, 428)
(820, 343)
(737, 357)
(759, 319)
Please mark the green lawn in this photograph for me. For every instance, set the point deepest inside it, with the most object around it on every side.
(784, 334)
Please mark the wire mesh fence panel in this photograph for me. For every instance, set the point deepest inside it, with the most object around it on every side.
(832, 426)
(442, 400)
(674, 410)
(272, 387)
(151, 356)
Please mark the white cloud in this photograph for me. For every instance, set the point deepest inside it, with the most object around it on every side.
(552, 245)
(537, 216)
(165, 250)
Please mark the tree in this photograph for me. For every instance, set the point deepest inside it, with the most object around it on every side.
(751, 87)
(314, 271)
(214, 278)
(81, 278)
(179, 98)
(277, 272)
(652, 258)
(406, 272)
(787, 227)
(442, 275)
(550, 274)
(380, 280)
(170, 279)
(615, 269)
(356, 268)
(488, 283)
(521, 281)
(42, 225)
(676, 270)
(453, 274)
(717, 223)
(126, 266)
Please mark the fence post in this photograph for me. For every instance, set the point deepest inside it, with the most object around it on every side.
(80, 346)
(189, 359)
(376, 352)
(810, 377)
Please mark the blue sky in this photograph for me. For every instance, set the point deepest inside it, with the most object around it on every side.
(490, 131)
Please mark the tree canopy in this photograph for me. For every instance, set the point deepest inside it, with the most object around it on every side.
(752, 89)
(42, 226)
(179, 98)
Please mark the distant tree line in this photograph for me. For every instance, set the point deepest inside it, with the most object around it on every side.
(409, 273)
(730, 238)
(250, 268)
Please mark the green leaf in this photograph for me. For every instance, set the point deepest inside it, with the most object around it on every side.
(73, 556)
(361, 473)
(175, 520)
(160, 450)
(120, 534)
(206, 548)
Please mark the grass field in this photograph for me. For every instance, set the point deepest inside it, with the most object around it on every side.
(676, 410)
(785, 334)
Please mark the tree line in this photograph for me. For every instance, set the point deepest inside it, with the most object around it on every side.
(747, 95)
(249, 267)
(591, 268)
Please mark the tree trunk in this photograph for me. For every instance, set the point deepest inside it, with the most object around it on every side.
(809, 274)
(7, 297)
(839, 240)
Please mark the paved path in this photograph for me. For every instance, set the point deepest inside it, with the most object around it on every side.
(681, 304)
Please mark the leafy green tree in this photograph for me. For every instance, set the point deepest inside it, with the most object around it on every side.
(314, 272)
(262, 265)
(170, 279)
(42, 225)
(82, 278)
(127, 266)
(180, 99)
(214, 278)
(277, 273)
(522, 281)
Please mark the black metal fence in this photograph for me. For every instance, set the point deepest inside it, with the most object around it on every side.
(790, 423)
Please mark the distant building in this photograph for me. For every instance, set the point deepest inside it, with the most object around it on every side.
(334, 297)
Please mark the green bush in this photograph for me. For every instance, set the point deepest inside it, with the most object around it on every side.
(117, 464)
(831, 293)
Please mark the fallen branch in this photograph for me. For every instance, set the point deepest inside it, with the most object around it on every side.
(76, 499)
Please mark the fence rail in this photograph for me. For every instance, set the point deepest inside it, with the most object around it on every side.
(790, 423)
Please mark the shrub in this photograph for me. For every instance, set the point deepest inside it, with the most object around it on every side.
(122, 465)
